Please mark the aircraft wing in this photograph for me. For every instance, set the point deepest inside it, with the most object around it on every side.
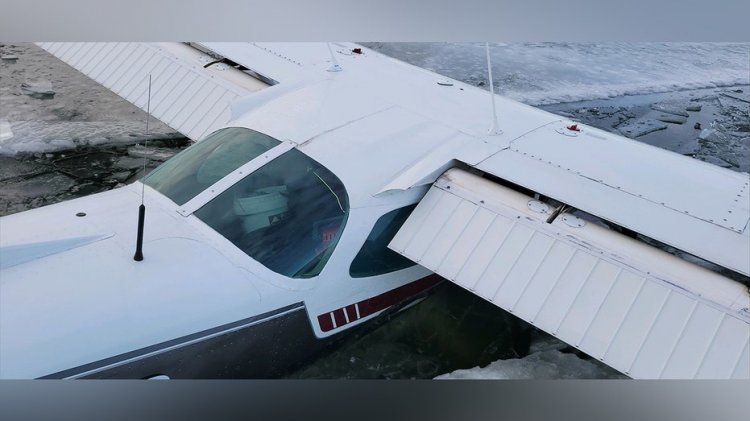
(635, 307)
(193, 86)
(691, 205)
(638, 309)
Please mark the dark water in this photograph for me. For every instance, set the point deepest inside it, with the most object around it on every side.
(450, 329)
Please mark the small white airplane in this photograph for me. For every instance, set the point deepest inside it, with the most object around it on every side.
(330, 184)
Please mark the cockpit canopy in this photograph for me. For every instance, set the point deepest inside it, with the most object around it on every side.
(288, 215)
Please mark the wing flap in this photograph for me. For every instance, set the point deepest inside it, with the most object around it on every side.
(638, 309)
(192, 99)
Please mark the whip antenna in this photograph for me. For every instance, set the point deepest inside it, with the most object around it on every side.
(494, 130)
(142, 209)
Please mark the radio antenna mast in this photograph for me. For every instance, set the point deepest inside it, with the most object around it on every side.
(494, 130)
(142, 209)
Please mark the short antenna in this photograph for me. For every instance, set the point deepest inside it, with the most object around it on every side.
(494, 130)
(334, 63)
(142, 209)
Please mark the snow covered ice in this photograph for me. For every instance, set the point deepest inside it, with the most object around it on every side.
(546, 360)
(547, 73)
(47, 106)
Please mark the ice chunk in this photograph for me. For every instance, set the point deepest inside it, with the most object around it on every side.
(641, 127)
(156, 154)
(43, 185)
(61, 144)
(715, 161)
(39, 88)
(711, 135)
(693, 108)
(671, 118)
(670, 109)
(546, 360)
(52, 136)
(129, 163)
(121, 176)
(740, 96)
(11, 168)
(542, 365)
(5, 131)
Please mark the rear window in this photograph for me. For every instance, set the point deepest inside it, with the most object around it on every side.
(375, 258)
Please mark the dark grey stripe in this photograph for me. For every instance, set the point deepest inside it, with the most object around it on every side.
(133, 355)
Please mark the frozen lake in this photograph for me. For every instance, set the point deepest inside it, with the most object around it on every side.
(548, 73)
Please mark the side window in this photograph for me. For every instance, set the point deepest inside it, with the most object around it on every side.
(288, 215)
(375, 258)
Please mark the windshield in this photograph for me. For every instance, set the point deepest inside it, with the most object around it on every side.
(288, 215)
(193, 170)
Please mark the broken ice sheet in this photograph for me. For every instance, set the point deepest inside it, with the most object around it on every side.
(156, 154)
(38, 88)
(670, 109)
(641, 127)
(714, 161)
(43, 185)
(737, 94)
(5, 131)
(547, 359)
(129, 163)
(712, 135)
(11, 168)
(672, 118)
(53, 136)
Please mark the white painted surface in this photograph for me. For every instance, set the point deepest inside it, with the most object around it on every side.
(385, 128)
(22, 253)
(94, 301)
(681, 201)
(640, 310)
(186, 96)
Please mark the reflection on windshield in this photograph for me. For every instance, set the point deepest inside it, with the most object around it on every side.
(201, 165)
(287, 215)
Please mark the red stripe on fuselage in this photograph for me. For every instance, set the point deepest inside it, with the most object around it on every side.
(377, 303)
(351, 312)
(325, 322)
(338, 316)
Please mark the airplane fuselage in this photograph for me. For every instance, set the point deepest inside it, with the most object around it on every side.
(207, 300)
